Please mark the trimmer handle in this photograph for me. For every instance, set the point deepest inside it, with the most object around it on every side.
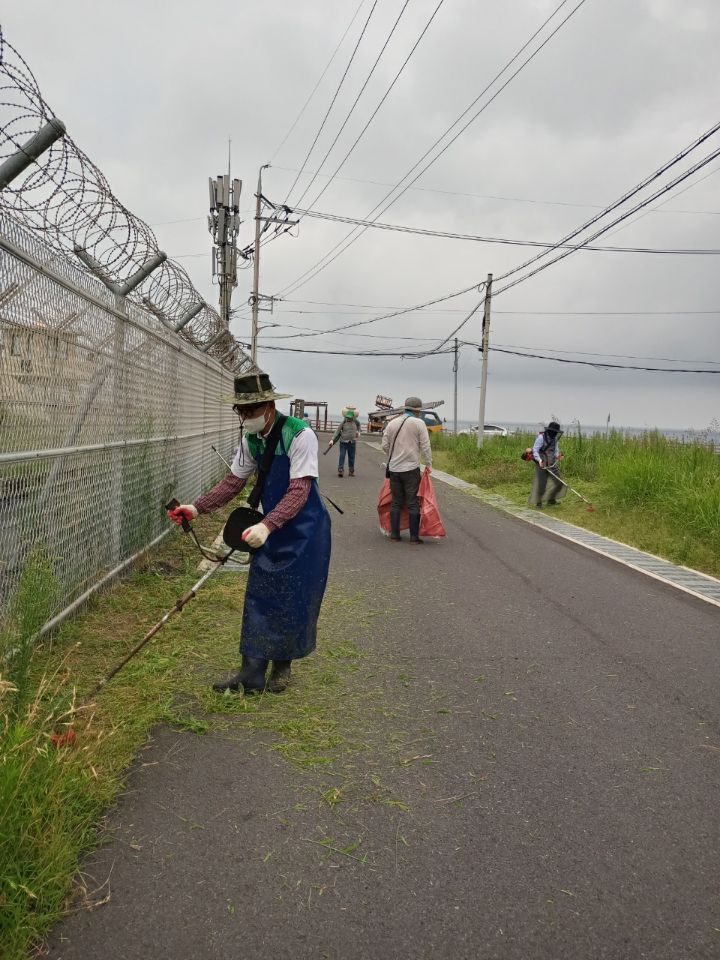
(171, 505)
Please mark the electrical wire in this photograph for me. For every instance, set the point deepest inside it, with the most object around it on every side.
(382, 101)
(524, 313)
(639, 206)
(509, 346)
(354, 234)
(628, 195)
(410, 354)
(315, 88)
(398, 313)
(610, 366)
(492, 196)
(657, 209)
(427, 232)
(332, 102)
(462, 323)
(352, 108)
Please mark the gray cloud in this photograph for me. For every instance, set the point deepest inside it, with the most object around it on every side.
(152, 91)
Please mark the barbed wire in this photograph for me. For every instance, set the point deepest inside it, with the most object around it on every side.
(64, 196)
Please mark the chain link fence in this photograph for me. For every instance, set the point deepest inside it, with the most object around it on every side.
(112, 377)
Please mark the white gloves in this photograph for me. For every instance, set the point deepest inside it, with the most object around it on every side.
(256, 536)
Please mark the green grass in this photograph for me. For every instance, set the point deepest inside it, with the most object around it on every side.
(52, 798)
(650, 492)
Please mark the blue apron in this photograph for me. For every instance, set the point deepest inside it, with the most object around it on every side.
(287, 575)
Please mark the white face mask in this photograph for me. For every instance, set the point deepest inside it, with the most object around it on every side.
(254, 424)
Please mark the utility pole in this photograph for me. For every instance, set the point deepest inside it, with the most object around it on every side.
(455, 371)
(485, 352)
(223, 224)
(255, 298)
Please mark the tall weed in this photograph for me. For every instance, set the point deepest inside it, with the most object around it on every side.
(41, 788)
(653, 483)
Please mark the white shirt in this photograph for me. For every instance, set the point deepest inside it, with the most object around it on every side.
(412, 440)
(303, 456)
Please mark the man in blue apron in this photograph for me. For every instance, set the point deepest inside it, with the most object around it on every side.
(289, 570)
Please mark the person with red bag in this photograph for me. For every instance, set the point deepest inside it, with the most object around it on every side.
(405, 442)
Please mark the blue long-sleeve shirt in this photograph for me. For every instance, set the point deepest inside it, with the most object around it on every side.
(538, 444)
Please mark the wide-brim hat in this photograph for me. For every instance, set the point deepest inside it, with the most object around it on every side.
(553, 427)
(252, 388)
(413, 403)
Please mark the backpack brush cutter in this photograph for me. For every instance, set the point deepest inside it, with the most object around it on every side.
(527, 456)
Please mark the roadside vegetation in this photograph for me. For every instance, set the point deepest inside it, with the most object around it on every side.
(64, 756)
(649, 492)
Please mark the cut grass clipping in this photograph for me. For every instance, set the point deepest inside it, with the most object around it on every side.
(53, 797)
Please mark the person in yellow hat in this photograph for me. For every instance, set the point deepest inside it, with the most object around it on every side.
(347, 434)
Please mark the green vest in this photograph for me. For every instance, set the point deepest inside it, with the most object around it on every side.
(291, 428)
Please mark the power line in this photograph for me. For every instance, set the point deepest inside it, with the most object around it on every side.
(427, 232)
(332, 102)
(628, 195)
(354, 234)
(409, 354)
(398, 313)
(657, 209)
(462, 323)
(616, 356)
(510, 346)
(542, 313)
(314, 89)
(311, 331)
(598, 233)
(382, 101)
(354, 104)
(610, 366)
(639, 206)
(492, 196)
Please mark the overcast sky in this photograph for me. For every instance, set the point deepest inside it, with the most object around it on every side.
(152, 91)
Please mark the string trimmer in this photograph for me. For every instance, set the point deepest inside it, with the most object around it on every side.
(238, 521)
(590, 507)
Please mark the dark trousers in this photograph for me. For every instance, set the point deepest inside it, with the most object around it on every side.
(404, 489)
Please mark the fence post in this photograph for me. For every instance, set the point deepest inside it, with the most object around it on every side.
(31, 150)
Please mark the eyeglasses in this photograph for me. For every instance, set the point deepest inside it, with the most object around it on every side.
(248, 409)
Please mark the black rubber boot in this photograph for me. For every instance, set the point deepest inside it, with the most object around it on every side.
(415, 528)
(279, 676)
(251, 677)
(394, 524)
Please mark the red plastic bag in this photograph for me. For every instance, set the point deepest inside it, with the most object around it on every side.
(430, 523)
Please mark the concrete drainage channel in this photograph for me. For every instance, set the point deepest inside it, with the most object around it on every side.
(691, 581)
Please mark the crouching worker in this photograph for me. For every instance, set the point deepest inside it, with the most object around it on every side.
(289, 571)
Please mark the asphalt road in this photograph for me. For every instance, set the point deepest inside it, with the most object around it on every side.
(556, 796)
